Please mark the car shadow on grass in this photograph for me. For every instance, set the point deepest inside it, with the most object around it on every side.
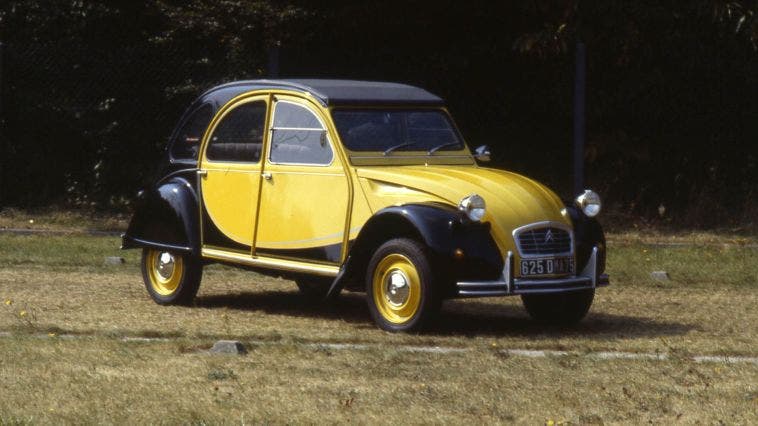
(499, 319)
(458, 317)
(349, 307)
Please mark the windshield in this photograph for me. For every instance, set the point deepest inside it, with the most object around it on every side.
(396, 130)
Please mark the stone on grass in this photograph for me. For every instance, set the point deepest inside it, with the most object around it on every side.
(114, 260)
(232, 347)
(660, 275)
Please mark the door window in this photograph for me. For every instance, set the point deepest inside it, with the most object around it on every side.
(239, 135)
(298, 136)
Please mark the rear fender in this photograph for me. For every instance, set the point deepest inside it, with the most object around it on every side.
(166, 217)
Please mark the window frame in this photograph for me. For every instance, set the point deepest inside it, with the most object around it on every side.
(324, 129)
(221, 119)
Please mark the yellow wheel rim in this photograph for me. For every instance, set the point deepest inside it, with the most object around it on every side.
(165, 270)
(396, 288)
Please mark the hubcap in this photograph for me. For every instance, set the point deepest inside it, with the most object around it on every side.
(397, 289)
(165, 266)
(165, 271)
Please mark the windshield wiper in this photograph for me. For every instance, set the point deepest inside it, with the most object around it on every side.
(439, 147)
(400, 145)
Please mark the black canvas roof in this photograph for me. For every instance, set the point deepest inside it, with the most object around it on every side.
(333, 92)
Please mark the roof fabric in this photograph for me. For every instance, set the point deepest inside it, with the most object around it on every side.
(342, 92)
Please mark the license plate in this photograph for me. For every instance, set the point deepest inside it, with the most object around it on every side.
(549, 266)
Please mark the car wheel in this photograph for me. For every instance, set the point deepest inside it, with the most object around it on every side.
(171, 278)
(399, 286)
(314, 287)
(559, 308)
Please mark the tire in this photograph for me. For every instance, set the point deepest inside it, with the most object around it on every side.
(171, 278)
(559, 308)
(400, 288)
(314, 287)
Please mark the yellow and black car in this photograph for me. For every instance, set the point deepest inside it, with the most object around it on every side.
(364, 186)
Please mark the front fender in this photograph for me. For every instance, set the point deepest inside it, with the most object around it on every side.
(166, 217)
(587, 234)
(444, 230)
(460, 249)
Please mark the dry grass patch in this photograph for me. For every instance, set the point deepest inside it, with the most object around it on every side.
(105, 381)
(63, 287)
(253, 308)
(78, 294)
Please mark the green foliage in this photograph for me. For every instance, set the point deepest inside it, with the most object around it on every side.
(740, 17)
(222, 374)
(91, 91)
(671, 123)
(91, 88)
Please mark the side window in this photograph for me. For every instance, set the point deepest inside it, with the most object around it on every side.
(298, 136)
(239, 135)
(188, 137)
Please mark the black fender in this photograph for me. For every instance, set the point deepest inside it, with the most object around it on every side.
(587, 234)
(443, 229)
(166, 217)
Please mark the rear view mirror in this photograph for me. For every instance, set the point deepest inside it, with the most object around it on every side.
(482, 153)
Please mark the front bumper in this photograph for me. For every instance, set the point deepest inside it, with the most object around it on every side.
(507, 285)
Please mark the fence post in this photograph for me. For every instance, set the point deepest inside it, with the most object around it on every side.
(3, 143)
(272, 70)
(580, 84)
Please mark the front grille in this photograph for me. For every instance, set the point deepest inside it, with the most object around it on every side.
(544, 241)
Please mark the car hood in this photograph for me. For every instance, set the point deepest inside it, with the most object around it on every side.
(512, 200)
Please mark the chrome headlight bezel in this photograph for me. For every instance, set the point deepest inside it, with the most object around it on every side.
(473, 206)
(589, 202)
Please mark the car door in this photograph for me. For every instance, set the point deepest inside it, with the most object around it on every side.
(305, 192)
(229, 176)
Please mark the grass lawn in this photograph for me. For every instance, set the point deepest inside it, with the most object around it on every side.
(65, 359)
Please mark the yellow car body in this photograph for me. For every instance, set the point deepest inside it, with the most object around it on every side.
(306, 179)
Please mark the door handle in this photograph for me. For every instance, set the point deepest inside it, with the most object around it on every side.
(202, 172)
(266, 175)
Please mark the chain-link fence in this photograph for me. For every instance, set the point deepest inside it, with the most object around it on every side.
(84, 125)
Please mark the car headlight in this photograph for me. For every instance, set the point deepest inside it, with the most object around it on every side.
(589, 202)
(473, 206)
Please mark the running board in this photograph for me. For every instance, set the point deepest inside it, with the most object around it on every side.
(272, 263)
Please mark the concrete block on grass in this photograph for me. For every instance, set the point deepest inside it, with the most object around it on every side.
(114, 260)
(231, 347)
(660, 275)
